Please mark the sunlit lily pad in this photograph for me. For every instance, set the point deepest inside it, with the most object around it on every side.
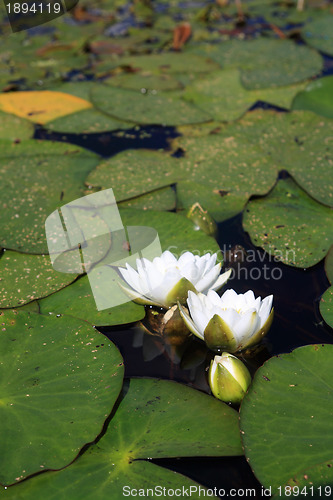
(228, 168)
(15, 128)
(61, 380)
(300, 142)
(319, 34)
(77, 300)
(290, 225)
(24, 278)
(286, 417)
(326, 306)
(46, 182)
(317, 97)
(143, 427)
(41, 106)
(222, 95)
(267, 62)
(145, 107)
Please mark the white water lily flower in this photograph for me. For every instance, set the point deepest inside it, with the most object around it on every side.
(232, 322)
(166, 280)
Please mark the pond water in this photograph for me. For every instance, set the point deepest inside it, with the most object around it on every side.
(90, 48)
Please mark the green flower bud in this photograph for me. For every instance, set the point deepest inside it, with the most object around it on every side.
(228, 378)
(202, 219)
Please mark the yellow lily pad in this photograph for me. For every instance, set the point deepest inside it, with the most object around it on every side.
(41, 106)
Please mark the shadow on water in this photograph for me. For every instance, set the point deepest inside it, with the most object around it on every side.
(110, 143)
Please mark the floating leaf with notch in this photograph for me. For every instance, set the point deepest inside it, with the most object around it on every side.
(290, 225)
(155, 419)
(286, 417)
(62, 380)
(25, 277)
(77, 300)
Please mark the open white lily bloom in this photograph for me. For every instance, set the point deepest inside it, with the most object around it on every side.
(167, 280)
(232, 322)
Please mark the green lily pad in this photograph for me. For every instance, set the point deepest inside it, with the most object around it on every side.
(86, 122)
(14, 128)
(290, 225)
(318, 34)
(326, 306)
(286, 416)
(31, 307)
(317, 97)
(176, 233)
(79, 89)
(46, 182)
(225, 99)
(300, 142)
(37, 147)
(155, 419)
(138, 81)
(61, 381)
(77, 300)
(221, 204)
(160, 199)
(170, 62)
(133, 172)
(24, 278)
(236, 169)
(156, 108)
(266, 62)
(317, 479)
(329, 265)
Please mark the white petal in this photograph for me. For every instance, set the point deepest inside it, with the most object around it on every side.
(223, 278)
(210, 262)
(214, 298)
(250, 298)
(131, 277)
(205, 283)
(185, 259)
(265, 309)
(229, 297)
(189, 323)
(230, 316)
(246, 325)
(194, 301)
(168, 258)
(190, 272)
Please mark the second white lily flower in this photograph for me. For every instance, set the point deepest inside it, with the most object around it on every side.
(167, 280)
(232, 322)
